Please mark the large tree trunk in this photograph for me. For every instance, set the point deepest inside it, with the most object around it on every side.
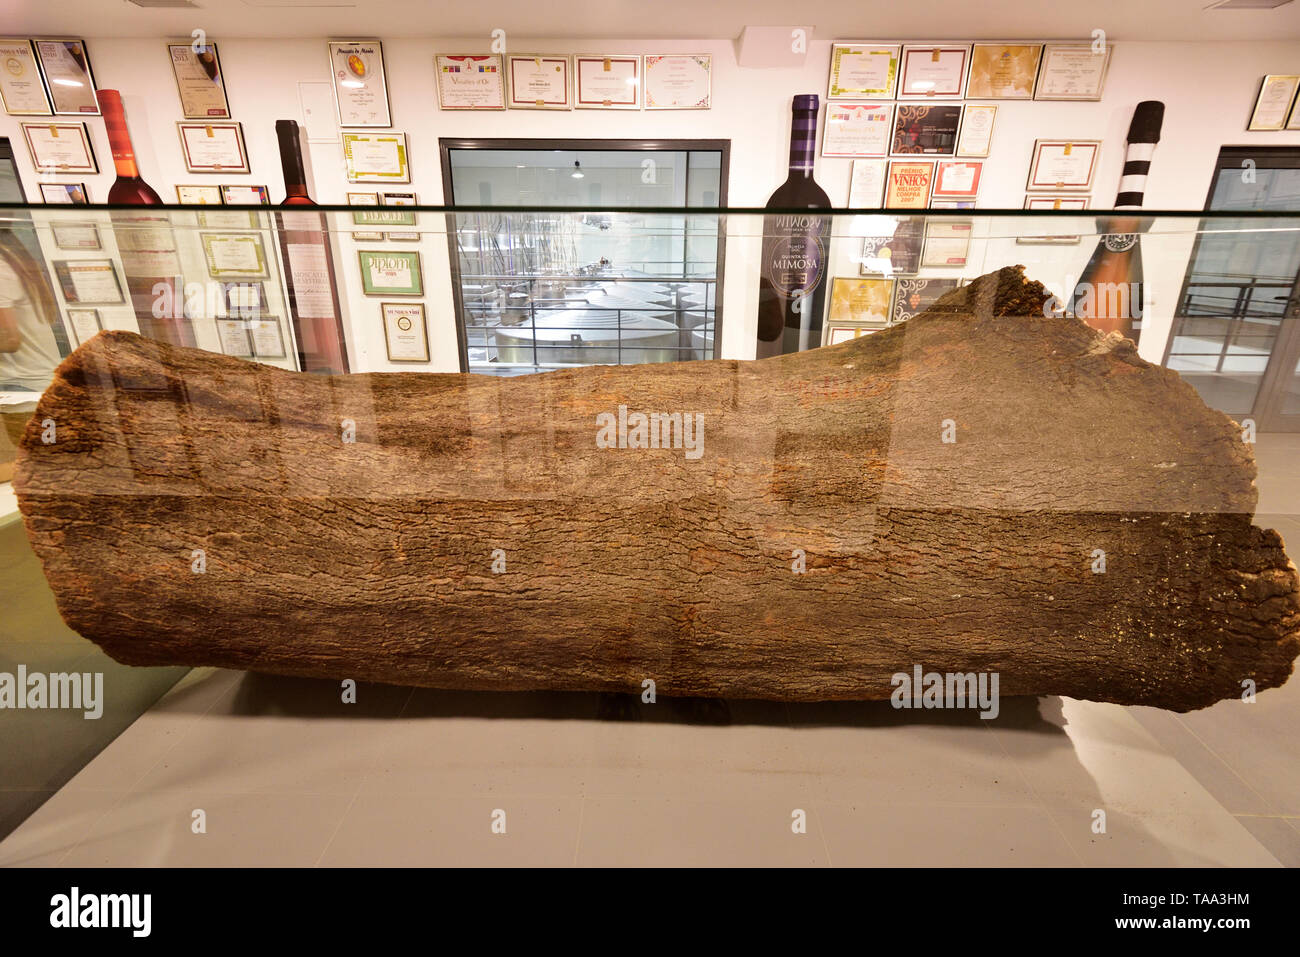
(374, 558)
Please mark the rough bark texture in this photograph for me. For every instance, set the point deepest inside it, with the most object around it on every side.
(374, 559)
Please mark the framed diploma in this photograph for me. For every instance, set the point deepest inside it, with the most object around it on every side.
(908, 185)
(675, 82)
(929, 71)
(608, 82)
(976, 130)
(400, 217)
(64, 193)
(929, 129)
(470, 82)
(864, 301)
(955, 179)
(857, 129)
(538, 83)
(360, 90)
(946, 244)
(244, 299)
(1003, 71)
(60, 147)
(899, 253)
(199, 82)
(75, 236)
(227, 219)
(867, 184)
(245, 195)
(1056, 202)
(234, 255)
(267, 339)
(1273, 104)
(405, 333)
(863, 71)
(390, 273)
(198, 195)
(213, 147)
(1063, 164)
(20, 80)
(88, 281)
(376, 158)
(1072, 71)
(913, 296)
(67, 75)
(85, 324)
(234, 338)
(362, 219)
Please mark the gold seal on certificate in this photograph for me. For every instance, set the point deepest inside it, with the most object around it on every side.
(198, 81)
(857, 129)
(933, 71)
(678, 82)
(405, 333)
(470, 82)
(360, 90)
(608, 82)
(213, 147)
(1072, 71)
(862, 71)
(976, 130)
(67, 76)
(538, 83)
(1003, 71)
(60, 147)
(1273, 104)
(376, 158)
(1063, 164)
(20, 80)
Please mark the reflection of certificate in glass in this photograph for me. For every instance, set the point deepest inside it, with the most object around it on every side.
(213, 147)
(20, 80)
(67, 75)
(389, 273)
(404, 332)
(913, 296)
(85, 324)
(538, 82)
(976, 130)
(470, 82)
(376, 157)
(867, 184)
(1072, 71)
(861, 300)
(268, 341)
(956, 178)
(360, 219)
(359, 88)
(678, 82)
(933, 71)
(60, 147)
(67, 236)
(244, 298)
(234, 255)
(1003, 71)
(198, 81)
(857, 129)
(233, 334)
(88, 280)
(1276, 94)
(861, 71)
(214, 219)
(946, 244)
(1063, 164)
(930, 129)
(908, 186)
(898, 252)
(608, 82)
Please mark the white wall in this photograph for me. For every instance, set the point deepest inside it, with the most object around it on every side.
(1208, 90)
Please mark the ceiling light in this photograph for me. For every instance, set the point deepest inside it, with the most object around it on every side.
(577, 170)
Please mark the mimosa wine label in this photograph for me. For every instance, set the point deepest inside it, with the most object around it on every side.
(794, 254)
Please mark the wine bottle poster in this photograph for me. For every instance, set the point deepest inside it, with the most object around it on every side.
(908, 186)
(929, 130)
(199, 81)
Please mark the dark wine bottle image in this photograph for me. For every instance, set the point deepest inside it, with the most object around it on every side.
(792, 281)
(295, 174)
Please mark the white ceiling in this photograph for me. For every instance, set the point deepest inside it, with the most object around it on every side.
(657, 19)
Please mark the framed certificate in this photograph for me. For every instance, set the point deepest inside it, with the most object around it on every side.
(376, 158)
(1273, 103)
(908, 185)
(913, 296)
(861, 301)
(85, 324)
(1072, 71)
(538, 83)
(898, 253)
(234, 255)
(674, 82)
(946, 244)
(360, 219)
(60, 147)
(88, 281)
(234, 338)
(857, 129)
(405, 333)
(198, 195)
(1003, 71)
(929, 129)
(227, 219)
(1056, 202)
(245, 195)
(64, 193)
(470, 82)
(267, 339)
(20, 80)
(1063, 164)
(863, 71)
(199, 82)
(976, 130)
(390, 273)
(867, 184)
(400, 217)
(360, 90)
(956, 179)
(75, 236)
(244, 299)
(608, 82)
(67, 75)
(213, 147)
(933, 70)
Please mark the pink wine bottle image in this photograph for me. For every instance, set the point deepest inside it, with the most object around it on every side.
(295, 175)
(128, 189)
(792, 283)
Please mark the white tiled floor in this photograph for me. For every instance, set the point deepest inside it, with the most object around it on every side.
(286, 774)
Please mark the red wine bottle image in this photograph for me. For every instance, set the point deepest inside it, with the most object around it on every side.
(792, 283)
(128, 188)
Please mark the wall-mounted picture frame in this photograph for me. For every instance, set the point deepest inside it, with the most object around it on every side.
(267, 338)
(233, 336)
(946, 243)
(216, 147)
(360, 84)
(235, 195)
(85, 324)
(376, 158)
(913, 296)
(401, 218)
(1003, 71)
(1273, 102)
(63, 194)
(677, 81)
(926, 129)
(539, 82)
(907, 185)
(79, 236)
(361, 219)
(857, 129)
(1057, 202)
(836, 331)
(194, 195)
(867, 184)
(244, 298)
(406, 334)
(65, 64)
(62, 148)
(863, 71)
(390, 273)
(199, 80)
(895, 254)
(21, 90)
(1063, 165)
(976, 135)
(470, 81)
(88, 281)
(957, 179)
(864, 301)
(234, 255)
(227, 219)
(933, 71)
(610, 82)
(1072, 71)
